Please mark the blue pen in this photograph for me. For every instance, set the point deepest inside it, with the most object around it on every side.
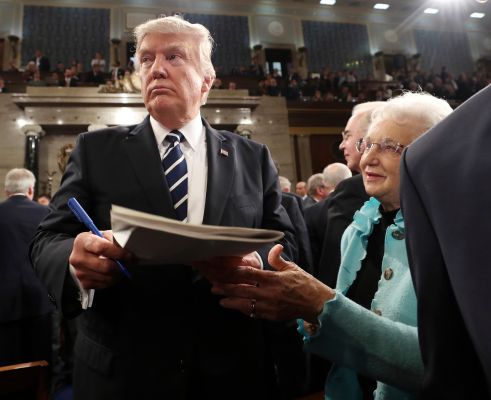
(85, 219)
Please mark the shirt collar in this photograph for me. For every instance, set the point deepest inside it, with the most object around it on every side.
(192, 131)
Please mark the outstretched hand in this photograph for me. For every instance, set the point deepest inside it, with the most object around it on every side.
(288, 292)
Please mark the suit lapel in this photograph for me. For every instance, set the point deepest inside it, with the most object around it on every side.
(221, 171)
(142, 151)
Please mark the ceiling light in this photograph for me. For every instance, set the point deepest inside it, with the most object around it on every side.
(328, 2)
(431, 11)
(477, 15)
(381, 6)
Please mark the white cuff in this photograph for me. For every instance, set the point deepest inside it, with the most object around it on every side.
(259, 258)
(86, 297)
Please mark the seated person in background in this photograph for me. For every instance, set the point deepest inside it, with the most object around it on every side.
(29, 72)
(36, 80)
(99, 61)
(117, 72)
(53, 79)
(232, 86)
(69, 80)
(367, 326)
(96, 75)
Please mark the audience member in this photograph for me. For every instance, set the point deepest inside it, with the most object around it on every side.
(37, 80)
(445, 202)
(232, 86)
(129, 329)
(60, 67)
(333, 174)
(41, 61)
(117, 72)
(99, 61)
(69, 80)
(285, 184)
(301, 189)
(29, 72)
(25, 311)
(367, 326)
(96, 75)
(316, 190)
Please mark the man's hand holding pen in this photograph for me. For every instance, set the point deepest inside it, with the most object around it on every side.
(93, 257)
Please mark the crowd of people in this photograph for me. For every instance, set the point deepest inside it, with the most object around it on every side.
(39, 71)
(371, 268)
(346, 86)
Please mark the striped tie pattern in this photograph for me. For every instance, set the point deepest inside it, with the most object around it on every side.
(176, 174)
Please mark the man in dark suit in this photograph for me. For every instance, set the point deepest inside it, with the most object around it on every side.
(42, 62)
(327, 220)
(445, 200)
(25, 323)
(162, 334)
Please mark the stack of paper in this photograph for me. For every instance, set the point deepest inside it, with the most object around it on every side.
(157, 240)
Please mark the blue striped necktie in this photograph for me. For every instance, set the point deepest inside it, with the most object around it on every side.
(176, 174)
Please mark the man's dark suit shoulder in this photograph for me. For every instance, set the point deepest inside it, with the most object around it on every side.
(339, 205)
(293, 206)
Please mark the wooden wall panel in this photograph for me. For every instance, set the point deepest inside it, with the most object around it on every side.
(325, 150)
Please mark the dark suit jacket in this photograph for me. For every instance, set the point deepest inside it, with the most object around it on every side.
(326, 223)
(162, 334)
(445, 200)
(22, 295)
(294, 208)
(308, 202)
(44, 64)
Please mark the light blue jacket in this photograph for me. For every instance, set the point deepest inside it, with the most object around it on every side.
(382, 343)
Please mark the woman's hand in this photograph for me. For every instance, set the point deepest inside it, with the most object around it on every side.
(287, 293)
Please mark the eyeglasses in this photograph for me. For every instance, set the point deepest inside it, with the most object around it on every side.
(386, 146)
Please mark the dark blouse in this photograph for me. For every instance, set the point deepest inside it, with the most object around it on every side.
(365, 285)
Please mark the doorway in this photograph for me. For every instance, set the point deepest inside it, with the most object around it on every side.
(279, 59)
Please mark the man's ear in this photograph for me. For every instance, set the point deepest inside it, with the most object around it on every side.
(207, 83)
(30, 193)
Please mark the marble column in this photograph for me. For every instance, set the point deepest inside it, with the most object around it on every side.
(33, 134)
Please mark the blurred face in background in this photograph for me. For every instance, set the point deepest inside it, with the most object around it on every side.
(354, 130)
(301, 189)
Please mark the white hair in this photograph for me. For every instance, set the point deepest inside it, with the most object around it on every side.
(176, 24)
(418, 109)
(366, 109)
(315, 181)
(335, 173)
(19, 180)
(284, 183)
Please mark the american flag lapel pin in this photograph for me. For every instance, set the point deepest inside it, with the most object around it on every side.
(223, 152)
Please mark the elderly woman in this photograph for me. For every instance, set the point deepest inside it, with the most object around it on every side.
(367, 326)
